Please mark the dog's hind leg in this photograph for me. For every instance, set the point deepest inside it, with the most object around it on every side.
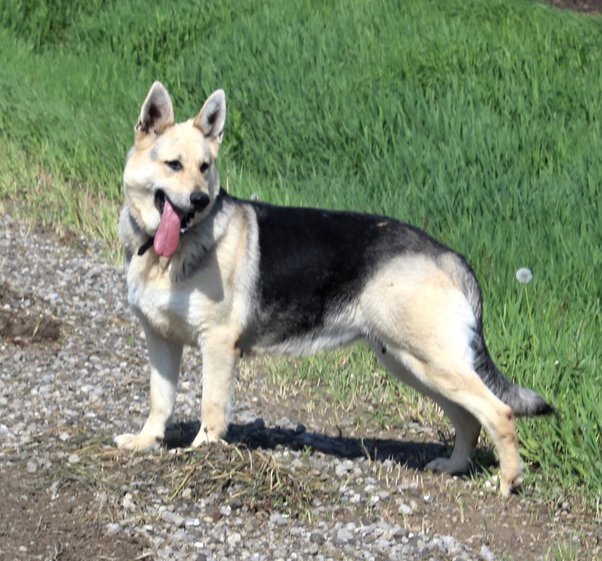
(427, 325)
(469, 404)
(466, 426)
(219, 359)
(461, 385)
(165, 358)
(467, 434)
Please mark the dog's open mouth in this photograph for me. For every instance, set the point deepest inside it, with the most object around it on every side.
(174, 222)
(185, 217)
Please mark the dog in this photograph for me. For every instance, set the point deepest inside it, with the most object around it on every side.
(239, 277)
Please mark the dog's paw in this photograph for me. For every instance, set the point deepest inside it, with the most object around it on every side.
(447, 465)
(136, 441)
(511, 483)
(206, 436)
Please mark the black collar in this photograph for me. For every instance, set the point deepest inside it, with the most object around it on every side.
(146, 246)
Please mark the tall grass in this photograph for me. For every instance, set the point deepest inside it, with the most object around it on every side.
(479, 121)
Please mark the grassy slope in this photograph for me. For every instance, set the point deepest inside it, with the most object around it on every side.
(477, 120)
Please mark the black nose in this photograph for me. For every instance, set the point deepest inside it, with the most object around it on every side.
(199, 200)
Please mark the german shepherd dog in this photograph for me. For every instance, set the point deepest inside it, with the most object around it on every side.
(236, 277)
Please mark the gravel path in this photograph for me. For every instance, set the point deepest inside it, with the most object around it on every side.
(277, 492)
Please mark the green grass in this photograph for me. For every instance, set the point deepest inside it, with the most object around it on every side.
(477, 120)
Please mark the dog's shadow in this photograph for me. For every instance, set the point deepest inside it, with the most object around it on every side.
(256, 435)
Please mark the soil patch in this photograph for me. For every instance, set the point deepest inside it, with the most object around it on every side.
(24, 319)
(587, 6)
(41, 519)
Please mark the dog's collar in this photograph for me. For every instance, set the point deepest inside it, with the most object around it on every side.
(146, 246)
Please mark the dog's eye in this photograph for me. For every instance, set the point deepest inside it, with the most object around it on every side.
(204, 167)
(174, 165)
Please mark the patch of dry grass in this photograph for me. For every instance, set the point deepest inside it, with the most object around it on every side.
(226, 475)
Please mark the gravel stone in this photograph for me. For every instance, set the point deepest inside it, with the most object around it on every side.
(113, 528)
(172, 518)
(485, 554)
(405, 509)
(344, 535)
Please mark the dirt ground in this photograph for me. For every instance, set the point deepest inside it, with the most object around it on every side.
(588, 6)
(38, 525)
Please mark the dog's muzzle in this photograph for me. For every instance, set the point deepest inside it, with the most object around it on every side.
(198, 202)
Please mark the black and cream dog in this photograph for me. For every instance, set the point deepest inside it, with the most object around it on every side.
(236, 277)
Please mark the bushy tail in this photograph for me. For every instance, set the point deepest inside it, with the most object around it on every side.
(522, 401)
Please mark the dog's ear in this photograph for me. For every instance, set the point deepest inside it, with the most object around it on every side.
(212, 116)
(157, 111)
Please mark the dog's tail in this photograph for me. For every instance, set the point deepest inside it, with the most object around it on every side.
(523, 402)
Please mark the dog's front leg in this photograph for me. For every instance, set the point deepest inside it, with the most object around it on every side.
(219, 360)
(165, 358)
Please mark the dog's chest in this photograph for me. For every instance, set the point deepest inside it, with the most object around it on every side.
(178, 311)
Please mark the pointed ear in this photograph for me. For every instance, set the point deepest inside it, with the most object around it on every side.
(212, 116)
(157, 111)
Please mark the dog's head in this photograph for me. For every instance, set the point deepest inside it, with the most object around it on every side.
(170, 178)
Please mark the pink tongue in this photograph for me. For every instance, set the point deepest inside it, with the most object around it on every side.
(168, 233)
